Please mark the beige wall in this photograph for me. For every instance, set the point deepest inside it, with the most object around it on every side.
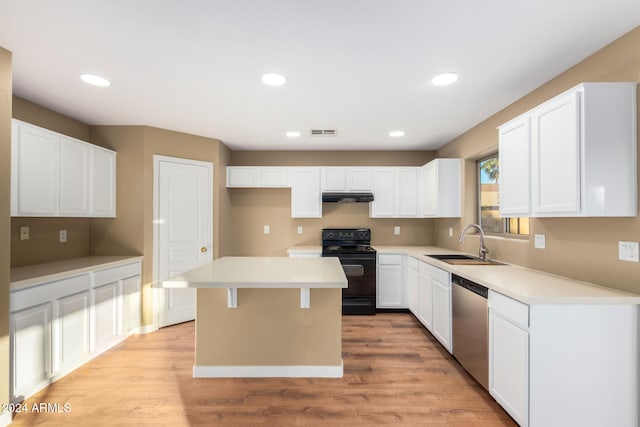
(5, 219)
(582, 248)
(252, 209)
(131, 232)
(43, 244)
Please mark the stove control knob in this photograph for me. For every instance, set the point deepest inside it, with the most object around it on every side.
(331, 235)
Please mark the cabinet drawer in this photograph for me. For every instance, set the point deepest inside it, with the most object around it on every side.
(413, 263)
(439, 275)
(109, 275)
(390, 259)
(512, 310)
(48, 291)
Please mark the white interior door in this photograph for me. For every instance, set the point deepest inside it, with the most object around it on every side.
(184, 230)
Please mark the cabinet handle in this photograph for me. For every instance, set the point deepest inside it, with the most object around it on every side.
(203, 249)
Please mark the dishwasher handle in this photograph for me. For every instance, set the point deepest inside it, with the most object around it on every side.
(469, 285)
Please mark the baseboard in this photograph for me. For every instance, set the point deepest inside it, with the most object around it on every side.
(146, 329)
(287, 371)
(5, 419)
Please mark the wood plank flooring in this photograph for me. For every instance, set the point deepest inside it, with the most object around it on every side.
(395, 372)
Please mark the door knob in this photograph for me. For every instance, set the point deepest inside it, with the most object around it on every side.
(203, 249)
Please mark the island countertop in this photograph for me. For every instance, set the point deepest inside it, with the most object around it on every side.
(263, 272)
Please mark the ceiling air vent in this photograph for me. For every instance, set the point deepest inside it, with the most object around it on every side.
(324, 132)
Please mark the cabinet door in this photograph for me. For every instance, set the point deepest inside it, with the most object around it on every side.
(360, 179)
(242, 176)
(407, 193)
(509, 367)
(334, 179)
(384, 194)
(425, 298)
(35, 156)
(74, 177)
(72, 341)
(442, 312)
(106, 316)
(103, 183)
(430, 189)
(306, 197)
(30, 349)
(515, 167)
(390, 289)
(274, 177)
(412, 291)
(131, 300)
(556, 156)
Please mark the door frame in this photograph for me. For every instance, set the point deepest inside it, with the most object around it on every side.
(157, 158)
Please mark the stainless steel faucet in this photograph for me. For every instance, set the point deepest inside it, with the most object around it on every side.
(483, 249)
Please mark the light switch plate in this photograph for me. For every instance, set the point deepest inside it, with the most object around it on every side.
(396, 230)
(267, 229)
(63, 236)
(299, 229)
(450, 231)
(628, 251)
(24, 232)
(540, 241)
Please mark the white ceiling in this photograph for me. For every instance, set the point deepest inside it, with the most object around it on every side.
(362, 67)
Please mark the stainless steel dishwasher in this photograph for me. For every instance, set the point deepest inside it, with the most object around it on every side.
(470, 325)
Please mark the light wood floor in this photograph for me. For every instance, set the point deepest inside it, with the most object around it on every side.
(394, 373)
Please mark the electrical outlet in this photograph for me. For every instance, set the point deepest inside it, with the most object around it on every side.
(540, 241)
(628, 251)
(299, 229)
(267, 229)
(450, 231)
(63, 236)
(24, 232)
(396, 230)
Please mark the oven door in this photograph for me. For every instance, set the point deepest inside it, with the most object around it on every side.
(361, 275)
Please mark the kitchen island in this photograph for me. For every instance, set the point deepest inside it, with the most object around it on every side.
(267, 316)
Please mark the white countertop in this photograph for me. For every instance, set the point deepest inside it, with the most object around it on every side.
(523, 284)
(263, 272)
(29, 275)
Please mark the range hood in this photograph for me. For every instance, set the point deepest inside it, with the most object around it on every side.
(347, 197)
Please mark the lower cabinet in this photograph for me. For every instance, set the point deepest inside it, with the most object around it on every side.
(57, 326)
(509, 355)
(425, 296)
(441, 289)
(390, 278)
(412, 284)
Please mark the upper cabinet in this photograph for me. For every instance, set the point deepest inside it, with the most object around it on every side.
(347, 179)
(257, 176)
(306, 197)
(395, 191)
(55, 175)
(582, 155)
(441, 190)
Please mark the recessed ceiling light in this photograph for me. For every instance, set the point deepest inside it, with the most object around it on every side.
(94, 80)
(293, 134)
(444, 79)
(396, 133)
(273, 79)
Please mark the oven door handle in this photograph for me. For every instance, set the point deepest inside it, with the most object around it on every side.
(353, 270)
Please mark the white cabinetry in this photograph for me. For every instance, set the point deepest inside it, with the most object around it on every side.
(441, 188)
(425, 296)
(57, 325)
(306, 197)
(30, 349)
(441, 287)
(412, 284)
(515, 167)
(583, 155)
(257, 176)
(391, 289)
(395, 192)
(55, 175)
(509, 355)
(347, 179)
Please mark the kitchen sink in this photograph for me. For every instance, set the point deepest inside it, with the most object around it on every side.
(459, 259)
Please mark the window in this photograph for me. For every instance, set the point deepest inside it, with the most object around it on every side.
(489, 201)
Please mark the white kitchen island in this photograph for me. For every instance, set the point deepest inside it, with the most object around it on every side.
(267, 316)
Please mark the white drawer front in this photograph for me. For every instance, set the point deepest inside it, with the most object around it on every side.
(413, 263)
(390, 259)
(513, 310)
(109, 275)
(438, 274)
(39, 294)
